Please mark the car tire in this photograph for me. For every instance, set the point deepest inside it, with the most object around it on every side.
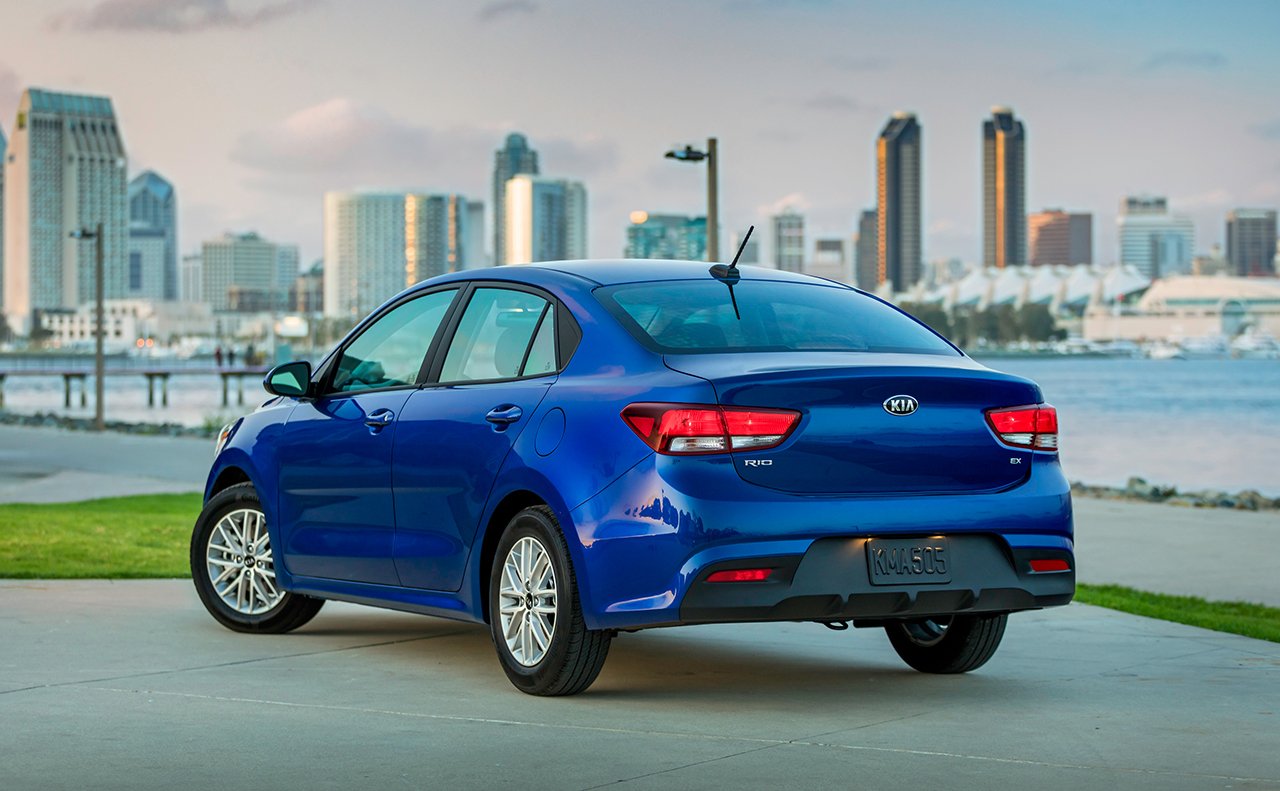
(542, 640)
(956, 644)
(233, 567)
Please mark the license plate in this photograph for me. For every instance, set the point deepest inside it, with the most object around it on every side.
(909, 561)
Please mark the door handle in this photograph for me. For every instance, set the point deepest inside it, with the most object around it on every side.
(379, 418)
(504, 415)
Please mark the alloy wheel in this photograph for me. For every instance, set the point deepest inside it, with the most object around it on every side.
(527, 601)
(240, 564)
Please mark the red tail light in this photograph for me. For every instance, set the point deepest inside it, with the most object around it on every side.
(1034, 427)
(740, 575)
(685, 429)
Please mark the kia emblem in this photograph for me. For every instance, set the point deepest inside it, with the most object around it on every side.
(901, 405)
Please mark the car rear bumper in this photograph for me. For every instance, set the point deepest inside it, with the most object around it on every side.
(647, 543)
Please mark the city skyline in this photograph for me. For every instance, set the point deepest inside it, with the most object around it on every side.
(315, 101)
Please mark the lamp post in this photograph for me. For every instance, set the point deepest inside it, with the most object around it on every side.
(99, 330)
(690, 154)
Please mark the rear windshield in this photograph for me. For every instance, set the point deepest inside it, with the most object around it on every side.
(683, 316)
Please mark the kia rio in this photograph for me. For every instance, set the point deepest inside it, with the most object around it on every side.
(567, 451)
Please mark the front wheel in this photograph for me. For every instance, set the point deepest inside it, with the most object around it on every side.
(954, 644)
(536, 618)
(233, 567)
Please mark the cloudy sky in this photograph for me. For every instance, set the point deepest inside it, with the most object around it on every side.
(253, 108)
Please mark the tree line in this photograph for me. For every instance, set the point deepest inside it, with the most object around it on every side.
(997, 324)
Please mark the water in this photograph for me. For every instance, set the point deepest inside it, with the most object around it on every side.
(1191, 423)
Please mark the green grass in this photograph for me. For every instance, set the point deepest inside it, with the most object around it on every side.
(1251, 620)
(119, 538)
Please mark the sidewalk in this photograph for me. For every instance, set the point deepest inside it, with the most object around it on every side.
(1214, 553)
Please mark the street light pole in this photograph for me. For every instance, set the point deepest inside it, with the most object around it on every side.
(713, 202)
(99, 356)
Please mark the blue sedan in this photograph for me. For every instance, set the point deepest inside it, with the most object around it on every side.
(571, 450)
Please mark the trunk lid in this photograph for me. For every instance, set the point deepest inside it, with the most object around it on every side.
(849, 443)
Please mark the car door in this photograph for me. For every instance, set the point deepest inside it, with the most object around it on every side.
(336, 508)
(456, 432)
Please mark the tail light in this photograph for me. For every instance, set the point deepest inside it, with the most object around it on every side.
(1034, 427)
(685, 429)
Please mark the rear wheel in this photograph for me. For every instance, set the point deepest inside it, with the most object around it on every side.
(543, 643)
(952, 644)
(233, 567)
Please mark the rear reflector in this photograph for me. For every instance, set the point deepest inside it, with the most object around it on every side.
(740, 575)
(1034, 427)
(1054, 564)
(686, 429)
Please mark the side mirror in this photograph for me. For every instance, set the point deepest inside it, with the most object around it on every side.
(289, 379)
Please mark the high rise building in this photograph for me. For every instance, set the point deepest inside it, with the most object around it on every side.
(378, 243)
(788, 241)
(241, 272)
(1251, 242)
(898, 251)
(191, 278)
(1152, 240)
(1004, 190)
(671, 236)
(514, 158)
(867, 252)
(830, 260)
(148, 251)
(546, 220)
(307, 293)
(64, 172)
(154, 205)
(750, 253)
(1058, 237)
(474, 255)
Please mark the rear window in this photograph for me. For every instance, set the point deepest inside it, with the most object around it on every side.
(683, 316)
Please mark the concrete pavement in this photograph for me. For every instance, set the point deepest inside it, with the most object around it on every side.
(131, 685)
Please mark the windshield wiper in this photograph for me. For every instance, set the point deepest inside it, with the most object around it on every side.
(729, 274)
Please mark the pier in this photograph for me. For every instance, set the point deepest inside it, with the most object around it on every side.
(75, 382)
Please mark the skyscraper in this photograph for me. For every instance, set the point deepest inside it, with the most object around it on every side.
(1152, 240)
(241, 272)
(1251, 242)
(671, 236)
(64, 171)
(830, 259)
(1004, 190)
(788, 241)
(898, 253)
(546, 220)
(474, 256)
(148, 248)
(378, 243)
(191, 278)
(153, 205)
(512, 159)
(1058, 237)
(866, 254)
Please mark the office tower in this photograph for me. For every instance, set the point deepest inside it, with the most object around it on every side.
(378, 243)
(153, 204)
(788, 241)
(64, 172)
(898, 251)
(867, 252)
(286, 272)
(830, 260)
(512, 159)
(1251, 242)
(1058, 237)
(750, 253)
(1152, 240)
(473, 250)
(546, 220)
(148, 263)
(1004, 190)
(191, 278)
(240, 272)
(672, 236)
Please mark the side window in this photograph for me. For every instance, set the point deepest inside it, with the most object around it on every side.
(542, 354)
(389, 352)
(493, 336)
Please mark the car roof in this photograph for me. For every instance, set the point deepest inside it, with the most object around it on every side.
(609, 272)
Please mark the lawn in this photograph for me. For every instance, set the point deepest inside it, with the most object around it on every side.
(120, 537)
(1250, 620)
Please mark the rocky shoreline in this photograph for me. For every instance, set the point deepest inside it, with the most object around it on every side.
(1137, 489)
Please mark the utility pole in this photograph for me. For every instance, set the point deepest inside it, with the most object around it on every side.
(713, 202)
(99, 324)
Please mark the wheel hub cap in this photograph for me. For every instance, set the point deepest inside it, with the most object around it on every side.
(239, 563)
(527, 601)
